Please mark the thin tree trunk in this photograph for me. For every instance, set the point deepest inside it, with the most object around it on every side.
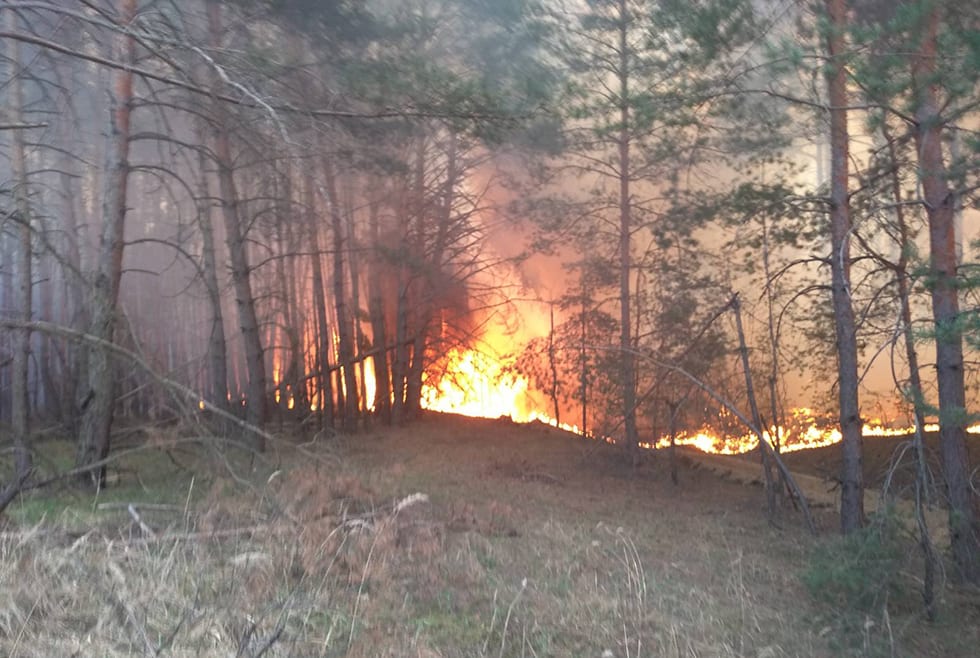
(929, 555)
(297, 316)
(240, 271)
(553, 365)
(852, 484)
(672, 430)
(286, 371)
(324, 381)
(628, 375)
(74, 357)
(764, 448)
(940, 204)
(777, 418)
(411, 317)
(217, 349)
(399, 366)
(23, 268)
(413, 383)
(341, 303)
(355, 294)
(584, 362)
(96, 421)
(376, 309)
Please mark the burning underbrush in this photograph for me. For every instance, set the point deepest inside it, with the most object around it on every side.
(478, 384)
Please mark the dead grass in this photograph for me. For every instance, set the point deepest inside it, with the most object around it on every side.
(453, 538)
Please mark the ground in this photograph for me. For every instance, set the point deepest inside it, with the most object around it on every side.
(453, 537)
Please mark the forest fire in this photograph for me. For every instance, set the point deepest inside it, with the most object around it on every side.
(475, 384)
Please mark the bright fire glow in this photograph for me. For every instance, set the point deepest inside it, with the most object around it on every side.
(477, 385)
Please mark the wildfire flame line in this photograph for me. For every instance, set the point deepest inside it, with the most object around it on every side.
(478, 386)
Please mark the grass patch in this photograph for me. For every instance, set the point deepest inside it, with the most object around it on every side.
(422, 545)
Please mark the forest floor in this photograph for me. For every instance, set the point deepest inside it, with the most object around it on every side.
(453, 537)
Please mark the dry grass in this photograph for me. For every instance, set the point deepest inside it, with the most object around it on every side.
(453, 538)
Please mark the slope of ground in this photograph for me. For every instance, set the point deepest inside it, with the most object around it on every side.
(450, 538)
(882, 457)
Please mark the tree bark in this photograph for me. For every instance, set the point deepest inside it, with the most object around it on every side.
(255, 396)
(96, 421)
(552, 364)
(324, 381)
(901, 269)
(628, 380)
(852, 485)
(217, 348)
(23, 268)
(355, 300)
(376, 309)
(940, 204)
(345, 341)
(399, 365)
(764, 451)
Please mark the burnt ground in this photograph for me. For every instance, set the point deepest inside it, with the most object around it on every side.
(453, 537)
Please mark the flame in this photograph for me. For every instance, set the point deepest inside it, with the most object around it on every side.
(475, 384)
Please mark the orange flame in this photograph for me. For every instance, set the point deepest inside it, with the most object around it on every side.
(474, 384)
(477, 385)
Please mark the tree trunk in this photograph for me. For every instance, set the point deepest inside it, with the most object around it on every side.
(255, 397)
(940, 204)
(413, 379)
(631, 438)
(355, 300)
(376, 309)
(74, 314)
(764, 452)
(553, 365)
(285, 326)
(852, 485)
(23, 268)
(345, 341)
(324, 382)
(296, 370)
(672, 431)
(930, 558)
(399, 366)
(217, 349)
(96, 421)
(584, 360)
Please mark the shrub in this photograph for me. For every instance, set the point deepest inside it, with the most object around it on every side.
(855, 573)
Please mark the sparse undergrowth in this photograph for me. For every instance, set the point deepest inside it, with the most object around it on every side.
(429, 542)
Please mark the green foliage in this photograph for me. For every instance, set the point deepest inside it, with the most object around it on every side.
(854, 574)
(861, 583)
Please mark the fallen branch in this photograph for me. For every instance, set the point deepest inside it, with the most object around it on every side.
(147, 530)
